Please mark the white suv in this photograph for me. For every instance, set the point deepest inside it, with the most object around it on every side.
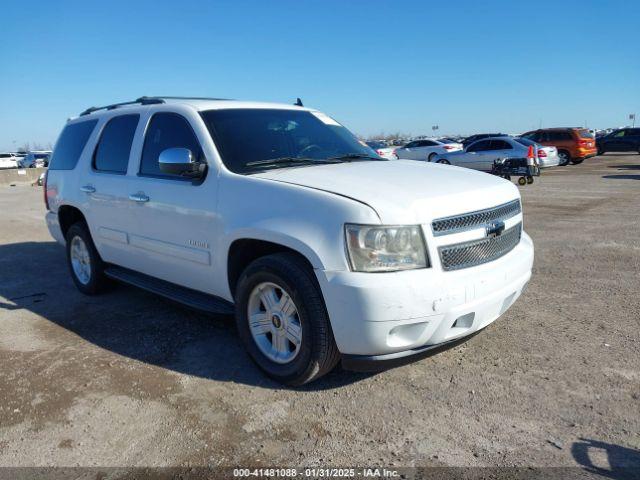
(277, 213)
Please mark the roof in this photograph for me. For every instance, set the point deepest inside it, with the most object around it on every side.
(197, 103)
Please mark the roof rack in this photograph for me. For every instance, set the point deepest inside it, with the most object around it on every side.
(141, 101)
(145, 101)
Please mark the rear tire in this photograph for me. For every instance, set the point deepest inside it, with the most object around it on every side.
(85, 264)
(444, 161)
(565, 157)
(290, 276)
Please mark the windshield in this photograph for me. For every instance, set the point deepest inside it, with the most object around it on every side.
(247, 138)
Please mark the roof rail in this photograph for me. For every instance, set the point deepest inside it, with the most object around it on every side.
(141, 101)
(163, 97)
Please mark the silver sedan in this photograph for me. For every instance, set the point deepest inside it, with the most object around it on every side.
(481, 154)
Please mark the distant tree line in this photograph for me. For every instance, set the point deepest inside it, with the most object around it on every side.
(29, 146)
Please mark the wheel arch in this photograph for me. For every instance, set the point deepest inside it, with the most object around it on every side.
(67, 216)
(243, 251)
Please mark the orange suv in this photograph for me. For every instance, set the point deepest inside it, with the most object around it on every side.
(573, 144)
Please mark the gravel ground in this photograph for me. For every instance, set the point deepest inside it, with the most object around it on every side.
(129, 379)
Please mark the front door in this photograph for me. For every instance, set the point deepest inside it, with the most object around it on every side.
(173, 235)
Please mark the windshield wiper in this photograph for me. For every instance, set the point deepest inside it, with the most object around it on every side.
(354, 156)
(288, 161)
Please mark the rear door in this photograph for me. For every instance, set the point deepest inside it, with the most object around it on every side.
(498, 149)
(106, 187)
(474, 156)
(413, 151)
(173, 235)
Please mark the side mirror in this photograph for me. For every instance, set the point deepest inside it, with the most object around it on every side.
(180, 161)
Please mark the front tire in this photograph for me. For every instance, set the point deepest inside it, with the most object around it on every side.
(432, 156)
(83, 259)
(282, 320)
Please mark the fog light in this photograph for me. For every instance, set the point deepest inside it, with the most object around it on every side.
(465, 321)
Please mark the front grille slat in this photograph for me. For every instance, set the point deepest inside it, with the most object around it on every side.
(477, 252)
(466, 221)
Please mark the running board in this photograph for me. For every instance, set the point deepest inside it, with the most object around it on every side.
(186, 296)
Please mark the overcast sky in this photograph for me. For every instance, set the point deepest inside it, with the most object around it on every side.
(376, 66)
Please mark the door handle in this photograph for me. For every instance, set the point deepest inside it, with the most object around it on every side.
(139, 197)
(88, 189)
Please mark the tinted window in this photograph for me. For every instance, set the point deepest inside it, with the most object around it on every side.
(619, 133)
(633, 131)
(70, 145)
(112, 152)
(246, 135)
(500, 145)
(556, 136)
(167, 130)
(411, 145)
(479, 146)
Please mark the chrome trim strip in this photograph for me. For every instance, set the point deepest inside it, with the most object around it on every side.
(477, 252)
(466, 221)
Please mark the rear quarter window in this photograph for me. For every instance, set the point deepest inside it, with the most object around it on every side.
(70, 144)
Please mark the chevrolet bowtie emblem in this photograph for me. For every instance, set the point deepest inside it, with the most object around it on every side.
(494, 229)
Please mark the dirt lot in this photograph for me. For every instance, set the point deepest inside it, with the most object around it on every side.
(128, 378)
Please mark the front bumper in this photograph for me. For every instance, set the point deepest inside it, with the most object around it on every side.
(385, 316)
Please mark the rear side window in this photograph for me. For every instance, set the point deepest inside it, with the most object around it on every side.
(167, 130)
(70, 145)
(112, 152)
(500, 145)
(481, 146)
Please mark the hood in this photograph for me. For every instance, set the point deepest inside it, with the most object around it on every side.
(404, 191)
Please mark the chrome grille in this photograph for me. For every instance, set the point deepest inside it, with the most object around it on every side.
(477, 252)
(466, 221)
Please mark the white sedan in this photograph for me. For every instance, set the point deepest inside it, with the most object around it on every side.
(481, 154)
(382, 149)
(8, 160)
(427, 149)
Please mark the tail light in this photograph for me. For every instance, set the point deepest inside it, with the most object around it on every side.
(583, 143)
(542, 154)
(379, 152)
(44, 189)
(449, 147)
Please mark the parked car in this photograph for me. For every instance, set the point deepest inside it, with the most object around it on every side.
(574, 144)
(479, 136)
(450, 141)
(382, 149)
(480, 155)
(426, 149)
(35, 159)
(8, 160)
(323, 251)
(622, 140)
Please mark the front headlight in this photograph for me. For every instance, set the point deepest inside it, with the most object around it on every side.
(374, 248)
